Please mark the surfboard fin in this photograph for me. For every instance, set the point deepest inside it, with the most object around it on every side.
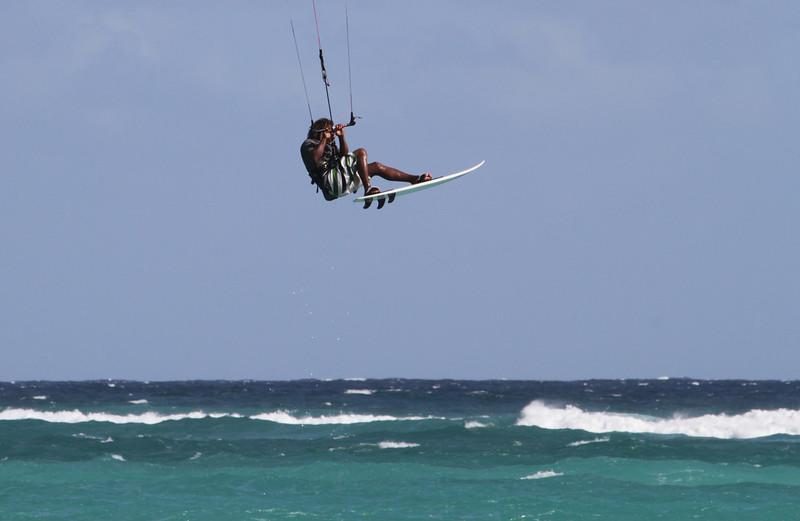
(391, 197)
(367, 203)
(381, 202)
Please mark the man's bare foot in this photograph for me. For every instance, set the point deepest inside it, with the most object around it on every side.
(372, 190)
(422, 178)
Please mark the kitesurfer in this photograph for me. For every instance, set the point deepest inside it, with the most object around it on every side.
(337, 171)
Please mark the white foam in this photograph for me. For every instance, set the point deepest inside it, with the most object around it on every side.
(117, 457)
(472, 424)
(152, 418)
(39, 397)
(397, 445)
(360, 391)
(76, 416)
(543, 474)
(339, 419)
(108, 439)
(663, 378)
(196, 455)
(751, 424)
(138, 402)
(586, 442)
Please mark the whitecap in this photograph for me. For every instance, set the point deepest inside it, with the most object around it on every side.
(77, 416)
(81, 435)
(138, 402)
(663, 378)
(586, 442)
(339, 419)
(543, 474)
(360, 391)
(39, 397)
(152, 418)
(118, 457)
(397, 445)
(472, 424)
(755, 423)
(196, 455)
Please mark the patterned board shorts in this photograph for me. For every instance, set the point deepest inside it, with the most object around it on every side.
(343, 179)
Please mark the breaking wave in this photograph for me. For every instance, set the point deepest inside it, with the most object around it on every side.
(338, 419)
(580, 443)
(543, 474)
(76, 416)
(755, 423)
(397, 445)
(152, 418)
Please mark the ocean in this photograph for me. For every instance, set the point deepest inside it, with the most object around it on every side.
(400, 449)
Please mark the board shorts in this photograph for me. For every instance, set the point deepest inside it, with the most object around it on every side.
(343, 179)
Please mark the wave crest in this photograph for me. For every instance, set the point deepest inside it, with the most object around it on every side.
(542, 474)
(755, 423)
(152, 418)
(338, 419)
(76, 416)
(397, 445)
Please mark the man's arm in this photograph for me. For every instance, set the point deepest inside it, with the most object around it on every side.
(344, 149)
(324, 139)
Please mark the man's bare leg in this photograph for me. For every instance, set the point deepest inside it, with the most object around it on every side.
(381, 170)
(363, 169)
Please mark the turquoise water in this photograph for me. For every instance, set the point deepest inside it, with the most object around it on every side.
(400, 449)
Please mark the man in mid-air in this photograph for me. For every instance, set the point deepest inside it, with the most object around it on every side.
(336, 171)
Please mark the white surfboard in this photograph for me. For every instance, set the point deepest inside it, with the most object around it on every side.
(389, 195)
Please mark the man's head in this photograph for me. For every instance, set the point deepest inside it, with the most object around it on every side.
(318, 127)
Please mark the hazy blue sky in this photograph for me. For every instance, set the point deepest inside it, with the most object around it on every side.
(637, 214)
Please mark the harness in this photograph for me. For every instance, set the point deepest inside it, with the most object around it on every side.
(317, 180)
(317, 176)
